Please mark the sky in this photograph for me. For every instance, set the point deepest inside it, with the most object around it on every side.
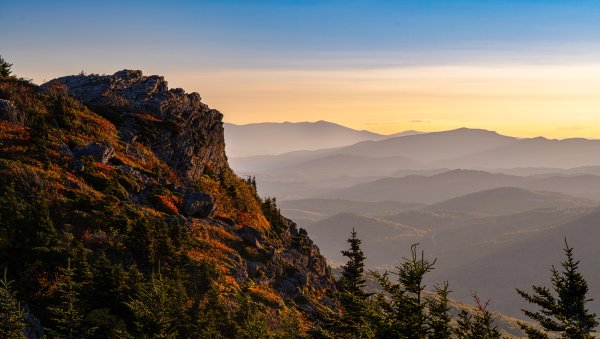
(524, 68)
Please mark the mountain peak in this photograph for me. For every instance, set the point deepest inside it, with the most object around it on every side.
(195, 137)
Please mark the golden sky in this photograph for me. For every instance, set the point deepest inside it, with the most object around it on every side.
(522, 68)
(553, 100)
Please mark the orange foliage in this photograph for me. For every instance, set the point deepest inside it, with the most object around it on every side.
(266, 294)
(242, 206)
(12, 138)
(166, 204)
(148, 117)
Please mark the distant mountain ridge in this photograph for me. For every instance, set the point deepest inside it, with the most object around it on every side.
(508, 200)
(459, 148)
(271, 138)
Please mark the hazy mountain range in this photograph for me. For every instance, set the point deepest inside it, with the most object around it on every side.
(493, 209)
(277, 138)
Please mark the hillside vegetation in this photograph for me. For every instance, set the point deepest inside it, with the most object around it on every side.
(120, 217)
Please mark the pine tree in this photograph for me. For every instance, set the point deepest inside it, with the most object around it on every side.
(66, 314)
(402, 308)
(5, 68)
(439, 318)
(352, 296)
(291, 324)
(12, 316)
(479, 325)
(43, 228)
(159, 307)
(12, 213)
(562, 309)
(255, 326)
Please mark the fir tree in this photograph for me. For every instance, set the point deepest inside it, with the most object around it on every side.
(439, 318)
(402, 308)
(159, 307)
(255, 327)
(479, 324)
(43, 228)
(291, 324)
(12, 213)
(12, 316)
(5, 67)
(562, 309)
(353, 299)
(66, 314)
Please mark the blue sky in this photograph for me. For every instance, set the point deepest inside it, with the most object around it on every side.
(299, 33)
(45, 39)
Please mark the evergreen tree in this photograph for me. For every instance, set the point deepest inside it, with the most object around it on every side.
(291, 324)
(352, 296)
(479, 325)
(563, 311)
(44, 232)
(439, 318)
(401, 305)
(66, 314)
(159, 308)
(12, 316)
(255, 326)
(353, 279)
(5, 67)
(12, 213)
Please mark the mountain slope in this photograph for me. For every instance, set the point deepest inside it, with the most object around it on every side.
(427, 189)
(508, 200)
(534, 152)
(126, 182)
(528, 262)
(350, 165)
(277, 138)
(429, 147)
(380, 237)
(424, 147)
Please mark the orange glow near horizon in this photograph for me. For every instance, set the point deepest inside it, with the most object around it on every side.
(554, 100)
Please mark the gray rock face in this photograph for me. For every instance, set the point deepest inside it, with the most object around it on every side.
(100, 153)
(295, 265)
(10, 113)
(251, 236)
(198, 204)
(178, 127)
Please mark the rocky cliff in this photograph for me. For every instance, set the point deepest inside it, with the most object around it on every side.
(118, 173)
(184, 132)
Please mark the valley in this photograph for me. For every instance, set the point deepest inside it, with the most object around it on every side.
(490, 224)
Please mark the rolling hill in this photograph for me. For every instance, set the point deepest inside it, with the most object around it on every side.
(528, 262)
(349, 165)
(277, 138)
(423, 147)
(380, 237)
(533, 152)
(508, 200)
(427, 189)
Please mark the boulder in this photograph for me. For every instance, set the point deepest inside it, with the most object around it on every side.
(100, 153)
(198, 204)
(10, 113)
(251, 236)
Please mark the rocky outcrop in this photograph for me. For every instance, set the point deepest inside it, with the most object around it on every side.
(10, 113)
(303, 265)
(198, 204)
(295, 268)
(178, 127)
(251, 236)
(188, 136)
(100, 153)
